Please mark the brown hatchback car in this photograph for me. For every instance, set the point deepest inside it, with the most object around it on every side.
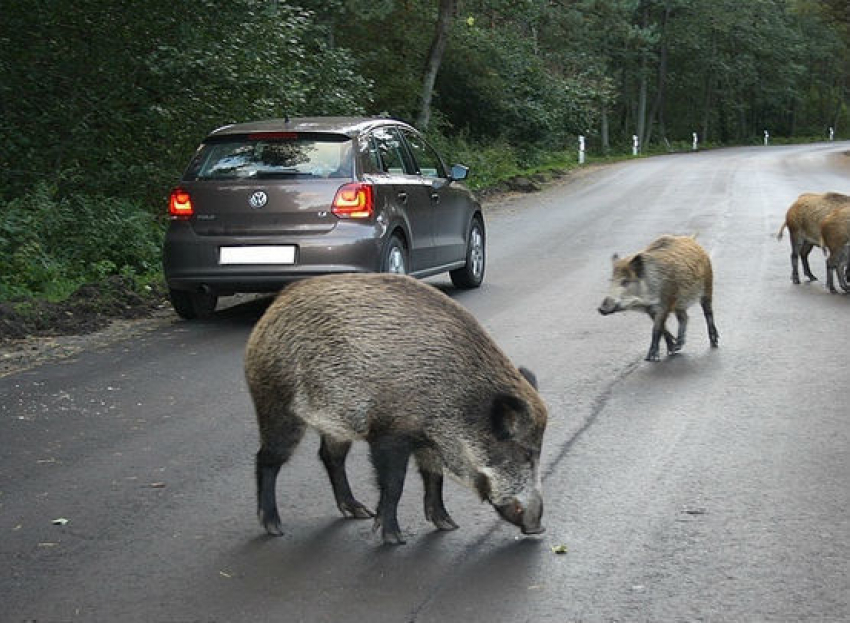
(268, 202)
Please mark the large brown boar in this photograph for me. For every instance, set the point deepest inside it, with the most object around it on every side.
(396, 363)
(803, 220)
(835, 241)
(669, 276)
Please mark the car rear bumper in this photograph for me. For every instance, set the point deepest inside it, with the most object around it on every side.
(191, 262)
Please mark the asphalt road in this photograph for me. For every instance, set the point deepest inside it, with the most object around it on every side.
(710, 486)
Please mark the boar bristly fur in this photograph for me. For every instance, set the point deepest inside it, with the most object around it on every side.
(394, 362)
(803, 220)
(670, 275)
(835, 241)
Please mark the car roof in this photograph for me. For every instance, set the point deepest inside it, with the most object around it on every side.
(349, 126)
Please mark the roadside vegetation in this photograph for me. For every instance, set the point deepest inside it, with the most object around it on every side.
(102, 104)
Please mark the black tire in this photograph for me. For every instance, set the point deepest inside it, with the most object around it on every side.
(190, 305)
(471, 274)
(394, 258)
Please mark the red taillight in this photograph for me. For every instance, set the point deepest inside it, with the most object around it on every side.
(180, 204)
(354, 201)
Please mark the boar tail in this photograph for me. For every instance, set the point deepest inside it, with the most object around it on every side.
(781, 230)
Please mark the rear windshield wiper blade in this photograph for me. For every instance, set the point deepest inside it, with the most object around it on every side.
(280, 173)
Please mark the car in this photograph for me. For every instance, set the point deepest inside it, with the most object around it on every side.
(264, 203)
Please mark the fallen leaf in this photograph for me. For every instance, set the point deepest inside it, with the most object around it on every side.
(60, 522)
(559, 549)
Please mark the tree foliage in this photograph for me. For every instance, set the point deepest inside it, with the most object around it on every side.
(104, 100)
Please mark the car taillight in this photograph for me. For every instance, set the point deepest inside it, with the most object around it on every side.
(354, 201)
(180, 204)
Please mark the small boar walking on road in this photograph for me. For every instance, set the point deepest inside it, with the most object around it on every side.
(803, 220)
(835, 241)
(397, 363)
(670, 275)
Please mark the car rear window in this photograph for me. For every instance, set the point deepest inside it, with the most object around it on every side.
(272, 155)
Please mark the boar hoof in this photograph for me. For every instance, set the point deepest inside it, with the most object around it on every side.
(355, 510)
(437, 514)
(393, 538)
(443, 522)
(391, 534)
(652, 357)
(272, 526)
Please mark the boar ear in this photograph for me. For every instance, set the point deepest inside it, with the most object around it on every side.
(637, 265)
(614, 258)
(505, 415)
(529, 376)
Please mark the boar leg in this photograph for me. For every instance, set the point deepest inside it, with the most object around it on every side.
(659, 320)
(841, 264)
(431, 470)
(333, 453)
(830, 284)
(805, 249)
(278, 443)
(389, 457)
(708, 312)
(682, 318)
(795, 254)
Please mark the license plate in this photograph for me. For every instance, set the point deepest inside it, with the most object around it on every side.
(257, 255)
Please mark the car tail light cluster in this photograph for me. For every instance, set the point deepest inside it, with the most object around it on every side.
(354, 200)
(180, 204)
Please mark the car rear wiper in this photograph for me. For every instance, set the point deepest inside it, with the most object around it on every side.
(280, 173)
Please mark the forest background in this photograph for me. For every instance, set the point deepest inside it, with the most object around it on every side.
(102, 102)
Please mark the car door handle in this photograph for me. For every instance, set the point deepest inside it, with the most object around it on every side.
(402, 196)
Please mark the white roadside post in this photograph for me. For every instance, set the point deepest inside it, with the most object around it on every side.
(766, 137)
(635, 145)
(831, 134)
(696, 141)
(581, 149)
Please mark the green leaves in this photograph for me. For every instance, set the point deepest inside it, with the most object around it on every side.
(49, 246)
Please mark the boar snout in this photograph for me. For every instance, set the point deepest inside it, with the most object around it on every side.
(526, 516)
(609, 306)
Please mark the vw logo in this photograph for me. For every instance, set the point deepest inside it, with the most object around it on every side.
(258, 199)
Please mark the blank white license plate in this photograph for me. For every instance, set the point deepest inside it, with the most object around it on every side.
(257, 255)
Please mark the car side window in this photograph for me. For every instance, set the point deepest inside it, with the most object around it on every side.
(393, 157)
(369, 154)
(430, 164)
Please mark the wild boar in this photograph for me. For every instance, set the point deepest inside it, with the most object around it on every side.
(835, 242)
(670, 275)
(803, 220)
(395, 362)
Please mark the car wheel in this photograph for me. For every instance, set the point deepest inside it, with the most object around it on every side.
(395, 256)
(471, 274)
(190, 305)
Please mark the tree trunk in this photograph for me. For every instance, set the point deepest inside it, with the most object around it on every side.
(641, 105)
(435, 57)
(656, 114)
(606, 141)
(706, 109)
(642, 94)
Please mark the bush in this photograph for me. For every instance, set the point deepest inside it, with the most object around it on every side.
(49, 246)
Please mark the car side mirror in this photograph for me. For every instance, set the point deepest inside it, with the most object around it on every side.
(459, 172)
